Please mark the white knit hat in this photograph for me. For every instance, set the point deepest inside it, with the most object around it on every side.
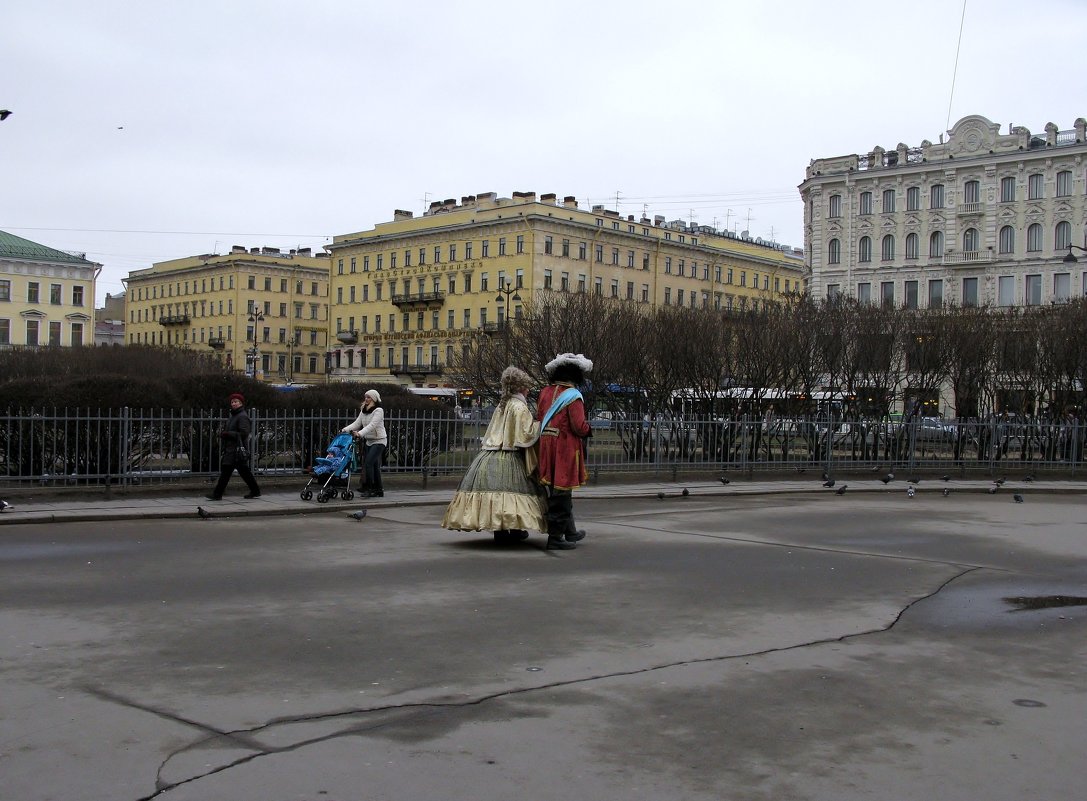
(372, 395)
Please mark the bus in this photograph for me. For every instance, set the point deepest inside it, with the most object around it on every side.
(452, 397)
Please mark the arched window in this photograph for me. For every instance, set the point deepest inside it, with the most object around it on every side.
(1064, 183)
(1062, 235)
(1034, 238)
(864, 249)
(971, 241)
(936, 245)
(835, 209)
(971, 192)
(834, 252)
(1007, 239)
(912, 245)
(887, 249)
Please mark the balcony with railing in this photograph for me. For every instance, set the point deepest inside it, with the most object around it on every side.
(347, 337)
(971, 208)
(174, 319)
(418, 299)
(216, 342)
(417, 368)
(968, 258)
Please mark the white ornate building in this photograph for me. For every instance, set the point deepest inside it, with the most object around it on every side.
(981, 218)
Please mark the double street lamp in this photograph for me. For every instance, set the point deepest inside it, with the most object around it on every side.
(507, 292)
(1071, 257)
(253, 354)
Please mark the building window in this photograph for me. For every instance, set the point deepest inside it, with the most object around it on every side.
(598, 286)
(1007, 189)
(467, 251)
(834, 252)
(833, 291)
(1062, 287)
(564, 282)
(866, 203)
(1062, 235)
(519, 278)
(1005, 290)
(54, 333)
(667, 265)
(936, 196)
(888, 201)
(668, 296)
(566, 248)
(887, 293)
(32, 332)
(547, 279)
(452, 252)
(380, 264)
(912, 246)
(485, 248)
(835, 209)
(1034, 238)
(1033, 294)
(5, 290)
(1007, 239)
(910, 289)
(645, 293)
(970, 292)
(615, 287)
(887, 248)
(437, 256)
(582, 250)
(1036, 186)
(520, 243)
(971, 241)
(5, 332)
(971, 192)
(630, 258)
(32, 294)
(501, 246)
(864, 249)
(615, 256)
(1064, 183)
(864, 292)
(548, 245)
(484, 279)
(935, 293)
(913, 198)
(77, 296)
(366, 264)
(936, 245)
(630, 290)
(598, 254)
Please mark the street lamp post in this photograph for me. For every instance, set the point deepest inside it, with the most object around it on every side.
(253, 353)
(507, 292)
(1071, 257)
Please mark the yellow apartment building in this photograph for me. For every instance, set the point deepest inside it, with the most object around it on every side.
(406, 295)
(260, 310)
(46, 295)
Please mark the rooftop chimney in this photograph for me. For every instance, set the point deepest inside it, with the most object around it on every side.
(569, 202)
(400, 214)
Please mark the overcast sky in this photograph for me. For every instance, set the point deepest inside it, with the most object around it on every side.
(145, 131)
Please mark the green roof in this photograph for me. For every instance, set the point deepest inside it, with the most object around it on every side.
(12, 246)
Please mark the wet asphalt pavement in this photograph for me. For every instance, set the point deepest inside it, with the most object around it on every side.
(753, 647)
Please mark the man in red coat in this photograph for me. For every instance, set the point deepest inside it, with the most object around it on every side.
(564, 428)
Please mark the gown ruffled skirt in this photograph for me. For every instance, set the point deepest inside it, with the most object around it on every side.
(496, 494)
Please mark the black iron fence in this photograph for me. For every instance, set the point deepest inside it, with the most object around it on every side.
(127, 446)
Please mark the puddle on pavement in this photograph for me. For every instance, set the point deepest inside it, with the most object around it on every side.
(1026, 602)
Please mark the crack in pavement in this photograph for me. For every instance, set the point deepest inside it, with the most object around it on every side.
(243, 737)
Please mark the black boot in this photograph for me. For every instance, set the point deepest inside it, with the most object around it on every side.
(559, 544)
(577, 535)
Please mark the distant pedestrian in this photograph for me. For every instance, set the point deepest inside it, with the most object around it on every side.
(235, 443)
(564, 430)
(369, 428)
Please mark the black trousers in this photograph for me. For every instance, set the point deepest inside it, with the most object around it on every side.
(371, 467)
(227, 470)
(560, 513)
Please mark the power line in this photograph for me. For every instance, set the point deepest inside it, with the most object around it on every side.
(955, 71)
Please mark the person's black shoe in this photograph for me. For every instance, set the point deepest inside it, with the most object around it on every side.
(577, 536)
(375, 494)
(559, 544)
(252, 495)
(510, 536)
(213, 498)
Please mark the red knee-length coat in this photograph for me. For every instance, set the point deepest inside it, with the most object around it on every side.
(562, 443)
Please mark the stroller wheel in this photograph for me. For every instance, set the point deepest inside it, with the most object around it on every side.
(348, 495)
(306, 494)
(321, 497)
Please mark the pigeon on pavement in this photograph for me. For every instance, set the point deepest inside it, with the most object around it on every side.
(4, 506)
(203, 513)
(361, 513)
(723, 480)
(686, 492)
(1017, 498)
(910, 492)
(947, 492)
(841, 490)
(888, 478)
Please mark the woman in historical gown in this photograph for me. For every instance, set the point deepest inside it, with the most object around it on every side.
(497, 492)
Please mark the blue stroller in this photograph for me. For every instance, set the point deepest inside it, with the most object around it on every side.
(332, 472)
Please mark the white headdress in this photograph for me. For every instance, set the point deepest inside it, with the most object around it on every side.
(576, 359)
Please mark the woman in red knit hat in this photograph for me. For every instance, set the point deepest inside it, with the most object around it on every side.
(235, 437)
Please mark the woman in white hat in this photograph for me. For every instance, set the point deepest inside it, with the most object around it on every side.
(369, 429)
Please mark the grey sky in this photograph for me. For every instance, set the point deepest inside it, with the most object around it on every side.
(145, 131)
